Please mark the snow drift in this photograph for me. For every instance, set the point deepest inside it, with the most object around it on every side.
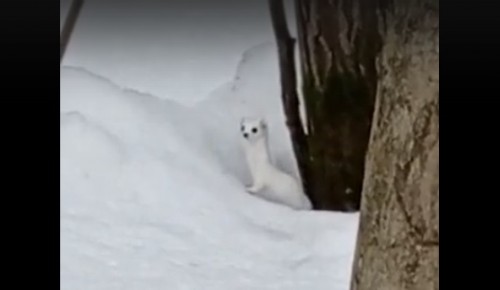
(152, 193)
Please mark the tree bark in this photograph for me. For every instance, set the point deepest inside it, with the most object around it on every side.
(338, 43)
(398, 238)
(290, 99)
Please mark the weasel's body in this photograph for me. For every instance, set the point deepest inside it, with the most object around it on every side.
(283, 188)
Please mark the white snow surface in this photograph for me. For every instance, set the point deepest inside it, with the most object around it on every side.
(152, 192)
(176, 49)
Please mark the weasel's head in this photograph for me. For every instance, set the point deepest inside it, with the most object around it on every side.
(252, 129)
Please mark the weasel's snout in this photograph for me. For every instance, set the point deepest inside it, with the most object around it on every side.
(245, 135)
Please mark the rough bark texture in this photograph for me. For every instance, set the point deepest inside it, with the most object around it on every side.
(398, 239)
(338, 43)
(289, 96)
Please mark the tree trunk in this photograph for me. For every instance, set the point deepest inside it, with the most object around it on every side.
(69, 25)
(289, 97)
(338, 43)
(398, 239)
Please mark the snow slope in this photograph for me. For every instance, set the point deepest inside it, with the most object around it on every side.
(152, 193)
(176, 49)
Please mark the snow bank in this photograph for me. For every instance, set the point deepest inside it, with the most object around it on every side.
(254, 91)
(176, 49)
(152, 193)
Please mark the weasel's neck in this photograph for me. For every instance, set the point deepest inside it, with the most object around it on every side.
(260, 150)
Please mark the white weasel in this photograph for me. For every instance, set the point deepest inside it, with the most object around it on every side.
(284, 188)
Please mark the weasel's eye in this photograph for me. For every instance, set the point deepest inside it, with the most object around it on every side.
(254, 130)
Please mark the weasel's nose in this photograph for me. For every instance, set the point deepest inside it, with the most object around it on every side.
(245, 135)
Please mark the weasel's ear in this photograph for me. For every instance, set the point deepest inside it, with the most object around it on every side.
(242, 121)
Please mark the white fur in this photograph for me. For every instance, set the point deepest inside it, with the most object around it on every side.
(282, 188)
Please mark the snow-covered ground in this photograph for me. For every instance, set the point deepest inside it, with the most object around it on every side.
(152, 189)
